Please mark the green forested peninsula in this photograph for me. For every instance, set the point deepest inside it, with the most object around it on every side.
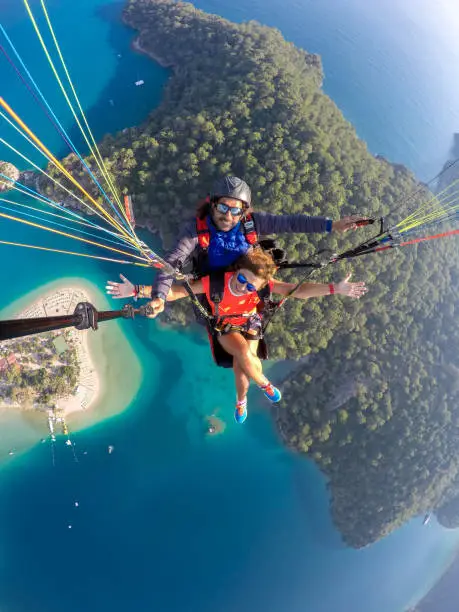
(376, 403)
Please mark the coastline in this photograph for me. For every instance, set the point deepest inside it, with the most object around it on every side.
(109, 349)
(62, 301)
(137, 46)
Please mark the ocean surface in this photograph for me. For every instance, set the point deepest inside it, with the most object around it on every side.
(173, 520)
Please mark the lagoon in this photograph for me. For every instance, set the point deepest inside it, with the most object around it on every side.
(175, 520)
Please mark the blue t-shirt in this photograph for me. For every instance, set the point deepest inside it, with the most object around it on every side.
(225, 247)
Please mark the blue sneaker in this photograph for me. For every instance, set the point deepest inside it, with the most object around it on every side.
(272, 393)
(240, 412)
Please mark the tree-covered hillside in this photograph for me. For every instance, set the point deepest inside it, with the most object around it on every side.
(376, 405)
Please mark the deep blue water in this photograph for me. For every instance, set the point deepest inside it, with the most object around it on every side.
(390, 66)
(172, 520)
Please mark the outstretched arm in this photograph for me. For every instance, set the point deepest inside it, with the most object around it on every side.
(177, 292)
(126, 289)
(267, 223)
(312, 290)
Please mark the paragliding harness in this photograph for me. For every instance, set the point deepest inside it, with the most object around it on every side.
(203, 231)
(248, 227)
(86, 316)
(221, 325)
(266, 305)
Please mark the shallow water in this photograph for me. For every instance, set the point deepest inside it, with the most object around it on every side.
(173, 519)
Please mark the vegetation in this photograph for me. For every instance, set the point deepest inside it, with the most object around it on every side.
(39, 376)
(9, 171)
(376, 404)
(448, 513)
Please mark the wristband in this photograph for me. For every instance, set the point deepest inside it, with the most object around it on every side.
(328, 225)
(331, 288)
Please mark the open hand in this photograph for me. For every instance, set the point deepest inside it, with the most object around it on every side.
(125, 289)
(353, 290)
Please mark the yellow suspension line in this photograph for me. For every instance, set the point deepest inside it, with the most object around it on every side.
(437, 206)
(132, 241)
(56, 206)
(39, 248)
(54, 231)
(29, 161)
(417, 214)
(102, 169)
(57, 163)
(61, 57)
(58, 79)
(455, 182)
(421, 220)
(62, 217)
(13, 186)
(417, 217)
(435, 215)
(439, 198)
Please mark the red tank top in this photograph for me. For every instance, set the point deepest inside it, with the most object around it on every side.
(232, 304)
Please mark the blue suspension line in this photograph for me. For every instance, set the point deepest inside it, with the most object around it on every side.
(31, 216)
(59, 126)
(68, 211)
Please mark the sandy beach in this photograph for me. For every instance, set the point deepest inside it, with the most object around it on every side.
(58, 302)
(106, 359)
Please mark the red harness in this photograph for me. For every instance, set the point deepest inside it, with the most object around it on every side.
(248, 227)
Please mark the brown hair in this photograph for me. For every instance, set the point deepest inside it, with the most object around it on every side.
(257, 261)
(203, 208)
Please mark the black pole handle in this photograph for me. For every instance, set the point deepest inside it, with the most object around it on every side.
(17, 328)
(85, 316)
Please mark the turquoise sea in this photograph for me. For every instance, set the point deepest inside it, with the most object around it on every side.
(173, 520)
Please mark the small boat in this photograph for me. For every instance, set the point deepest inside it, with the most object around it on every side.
(427, 518)
(139, 82)
(68, 442)
(111, 449)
